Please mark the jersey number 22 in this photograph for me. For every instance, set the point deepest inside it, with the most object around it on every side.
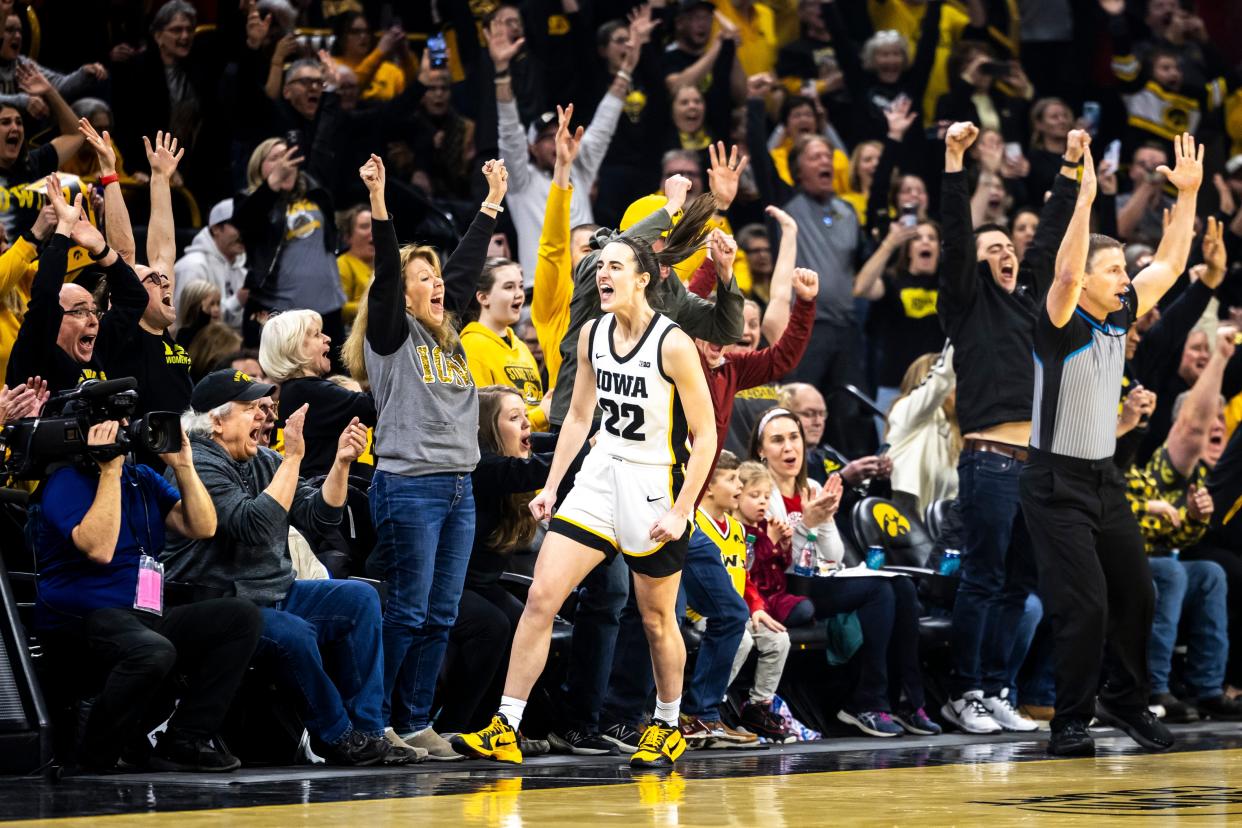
(634, 413)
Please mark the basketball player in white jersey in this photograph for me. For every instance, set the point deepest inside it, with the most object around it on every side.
(634, 494)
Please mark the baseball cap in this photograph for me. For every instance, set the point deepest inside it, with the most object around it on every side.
(227, 385)
(547, 119)
(222, 212)
(1234, 165)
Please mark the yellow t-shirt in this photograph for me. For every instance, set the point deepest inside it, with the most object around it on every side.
(497, 360)
(757, 49)
(356, 275)
(732, 546)
(906, 17)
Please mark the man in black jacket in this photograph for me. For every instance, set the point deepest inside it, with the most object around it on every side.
(988, 304)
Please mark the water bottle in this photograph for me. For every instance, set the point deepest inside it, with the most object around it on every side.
(949, 563)
(750, 552)
(875, 557)
(804, 564)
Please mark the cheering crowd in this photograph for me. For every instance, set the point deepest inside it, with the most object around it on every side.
(970, 261)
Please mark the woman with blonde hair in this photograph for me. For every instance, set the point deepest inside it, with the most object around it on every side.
(197, 307)
(294, 354)
(923, 436)
(287, 222)
(404, 343)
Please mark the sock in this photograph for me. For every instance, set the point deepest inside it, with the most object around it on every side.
(512, 709)
(667, 712)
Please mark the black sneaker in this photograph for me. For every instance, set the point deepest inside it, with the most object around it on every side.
(1071, 739)
(759, 719)
(1220, 708)
(533, 747)
(624, 737)
(396, 755)
(581, 743)
(355, 749)
(1141, 725)
(193, 754)
(1176, 711)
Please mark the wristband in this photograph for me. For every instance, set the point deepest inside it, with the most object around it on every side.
(625, 76)
(110, 178)
(103, 254)
(491, 205)
(502, 75)
(1065, 162)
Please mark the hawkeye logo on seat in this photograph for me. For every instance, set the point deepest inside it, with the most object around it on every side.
(612, 382)
(890, 520)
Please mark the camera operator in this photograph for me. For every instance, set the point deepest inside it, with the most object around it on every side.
(57, 337)
(258, 495)
(97, 529)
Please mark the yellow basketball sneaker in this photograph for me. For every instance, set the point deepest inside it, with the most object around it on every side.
(662, 744)
(498, 741)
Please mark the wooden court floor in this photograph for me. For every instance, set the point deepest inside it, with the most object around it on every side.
(953, 780)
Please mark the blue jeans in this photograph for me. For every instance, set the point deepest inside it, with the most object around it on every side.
(326, 635)
(997, 572)
(632, 676)
(1195, 590)
(597, 619)
(424, 528)
(1032, 613)
(707, 587)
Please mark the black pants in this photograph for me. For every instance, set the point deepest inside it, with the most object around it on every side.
(888, 613)
(1093, 579)
(478, 653)
(209, 643)
(1231, 562)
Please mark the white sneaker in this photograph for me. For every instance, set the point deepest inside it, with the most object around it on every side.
(1003, 714)
(969, 714)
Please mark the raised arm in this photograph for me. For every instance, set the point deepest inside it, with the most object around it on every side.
(869, 283)
(461, 271)
(33, 82)
(1153, 281)
(780, 290)
(161, 235)
(1039, 262)
(681, 363)
(693, 74)
(351, 445)
(554, 279)
(1188, 437)
(116, 213)
(510, 135)
(194, 516)
(1071, 263)
(957, 269)
(386, 325)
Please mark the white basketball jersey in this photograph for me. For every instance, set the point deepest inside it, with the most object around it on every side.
(641, 419)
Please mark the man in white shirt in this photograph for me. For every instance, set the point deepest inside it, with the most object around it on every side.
(216, 255)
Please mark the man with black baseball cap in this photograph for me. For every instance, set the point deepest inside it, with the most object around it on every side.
(258, 495)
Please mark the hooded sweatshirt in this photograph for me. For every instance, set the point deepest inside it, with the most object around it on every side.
(203, 260)
(249, 555)
(505, 360)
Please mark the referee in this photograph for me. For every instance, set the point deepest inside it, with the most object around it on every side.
(1093, 573)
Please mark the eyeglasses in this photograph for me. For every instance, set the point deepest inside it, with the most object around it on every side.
(83, 313)
(313, 83)
(157, 279)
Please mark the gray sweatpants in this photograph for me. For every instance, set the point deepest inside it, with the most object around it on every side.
(773, 649)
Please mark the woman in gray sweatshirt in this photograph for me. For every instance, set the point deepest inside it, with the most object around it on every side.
(405, 344)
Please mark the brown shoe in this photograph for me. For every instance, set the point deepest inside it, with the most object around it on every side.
(1041, 713)
(723, 736)
(695, 732)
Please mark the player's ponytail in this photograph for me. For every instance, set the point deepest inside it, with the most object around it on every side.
(690, 233)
